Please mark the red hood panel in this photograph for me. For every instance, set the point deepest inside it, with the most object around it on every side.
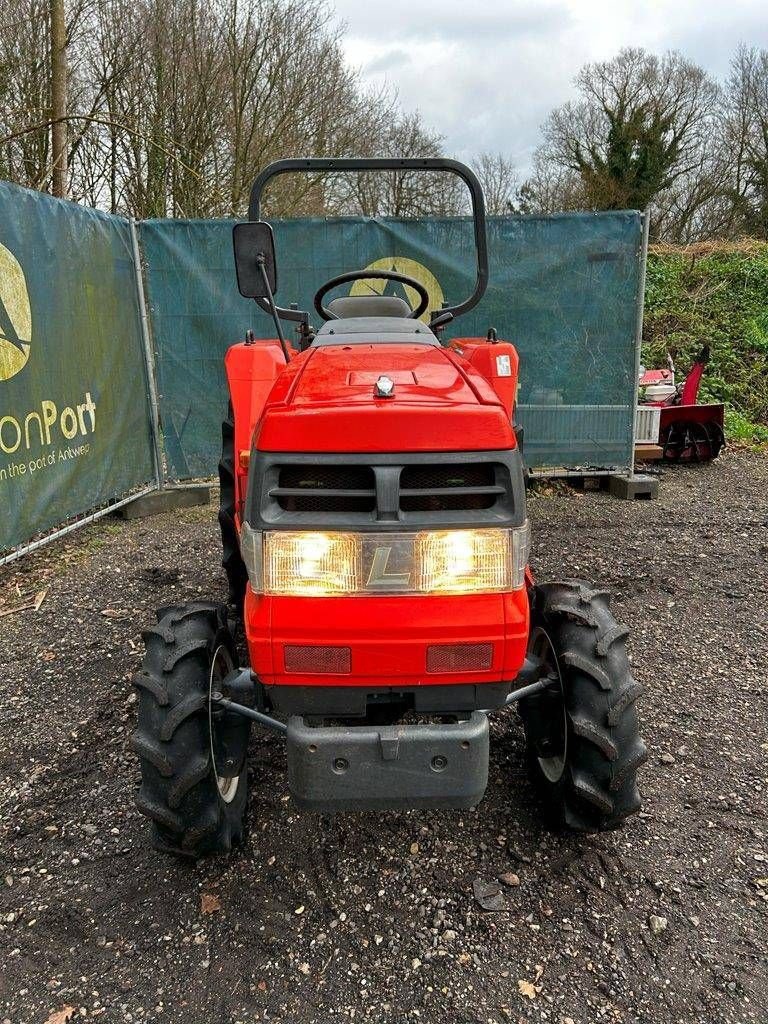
(346, 374)
(324, 402)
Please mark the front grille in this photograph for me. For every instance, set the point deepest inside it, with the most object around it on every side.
(417, 490)
(439, 488)
(326, 489)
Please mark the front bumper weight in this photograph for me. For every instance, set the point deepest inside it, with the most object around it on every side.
(348, 768)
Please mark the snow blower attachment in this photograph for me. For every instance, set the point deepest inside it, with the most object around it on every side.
(375, 536)
(685, 429)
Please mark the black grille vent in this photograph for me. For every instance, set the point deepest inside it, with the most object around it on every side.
(326, 489)
(442, 488)
(384, 491)
(427, 487)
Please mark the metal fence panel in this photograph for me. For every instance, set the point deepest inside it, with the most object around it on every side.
(563, 289)
(74, 418)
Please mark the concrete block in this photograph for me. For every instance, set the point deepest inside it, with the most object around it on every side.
(638, 485)
(168, 500)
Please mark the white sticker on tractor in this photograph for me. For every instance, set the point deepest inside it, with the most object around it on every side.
(503, 366)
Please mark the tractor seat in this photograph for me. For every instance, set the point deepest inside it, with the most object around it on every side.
(374, 330)
(369, 305)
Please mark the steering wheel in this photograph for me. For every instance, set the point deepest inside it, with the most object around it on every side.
(371, 275)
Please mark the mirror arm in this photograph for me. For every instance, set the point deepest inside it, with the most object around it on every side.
(298, 316)
(261, 259)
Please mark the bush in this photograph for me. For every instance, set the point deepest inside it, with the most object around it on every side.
(715, 294)
(740, 430)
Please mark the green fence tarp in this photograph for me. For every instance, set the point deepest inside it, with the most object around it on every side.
(74, 416)
(563, 289)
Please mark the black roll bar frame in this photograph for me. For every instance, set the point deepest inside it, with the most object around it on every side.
(309, 165)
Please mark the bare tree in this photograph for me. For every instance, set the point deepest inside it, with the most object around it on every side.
(58, 97)
(746, 139)
(25, 102)
(172, 109)
(550, 188)
(403, 194)
(642, 128)
(500, 182)
(156, 109)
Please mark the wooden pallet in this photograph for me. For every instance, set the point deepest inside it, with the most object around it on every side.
(648, 453)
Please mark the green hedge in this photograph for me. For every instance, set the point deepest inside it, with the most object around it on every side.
(715, 294)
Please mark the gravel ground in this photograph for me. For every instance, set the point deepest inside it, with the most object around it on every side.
(373, 917)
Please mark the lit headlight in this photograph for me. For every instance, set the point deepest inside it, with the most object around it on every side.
(472, 561)
(463, 561)
(311, 563)
(324, 564)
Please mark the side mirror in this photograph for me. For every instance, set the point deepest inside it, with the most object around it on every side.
(254, 246)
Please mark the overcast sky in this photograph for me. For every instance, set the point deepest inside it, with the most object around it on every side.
(486, 74)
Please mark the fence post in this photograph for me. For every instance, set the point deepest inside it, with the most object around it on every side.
(639, 330)
(149, 360)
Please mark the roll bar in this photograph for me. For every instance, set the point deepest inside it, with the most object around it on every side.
(335, 164)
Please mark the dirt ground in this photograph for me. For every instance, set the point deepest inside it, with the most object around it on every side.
(373, 917)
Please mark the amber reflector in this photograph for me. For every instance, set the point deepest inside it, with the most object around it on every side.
(459, 657)
(316, 659)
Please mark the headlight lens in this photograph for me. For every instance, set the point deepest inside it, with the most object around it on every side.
(312, 563)
(463, 561)
(324, 564)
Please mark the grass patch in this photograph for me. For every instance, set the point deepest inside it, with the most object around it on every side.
(739, 430)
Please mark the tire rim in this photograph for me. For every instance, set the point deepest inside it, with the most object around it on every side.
(542, 647)
(221, 666)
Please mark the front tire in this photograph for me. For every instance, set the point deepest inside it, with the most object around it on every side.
(582, 735)
(194, 809)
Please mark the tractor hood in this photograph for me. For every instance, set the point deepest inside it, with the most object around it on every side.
(325, 401)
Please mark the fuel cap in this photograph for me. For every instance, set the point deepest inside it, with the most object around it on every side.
(385, 387)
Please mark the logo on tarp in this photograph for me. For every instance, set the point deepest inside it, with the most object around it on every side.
(15, 316)
(410, 268)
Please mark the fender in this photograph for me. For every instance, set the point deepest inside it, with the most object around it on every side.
(251, 369)
(497, 361)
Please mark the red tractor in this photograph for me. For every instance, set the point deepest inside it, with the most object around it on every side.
(373, 516)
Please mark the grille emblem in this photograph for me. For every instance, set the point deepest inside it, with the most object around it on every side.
(385, 387)
(379, 575)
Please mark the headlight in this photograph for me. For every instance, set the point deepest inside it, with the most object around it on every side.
(324, 564)
(320, 564)
(463, 561)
